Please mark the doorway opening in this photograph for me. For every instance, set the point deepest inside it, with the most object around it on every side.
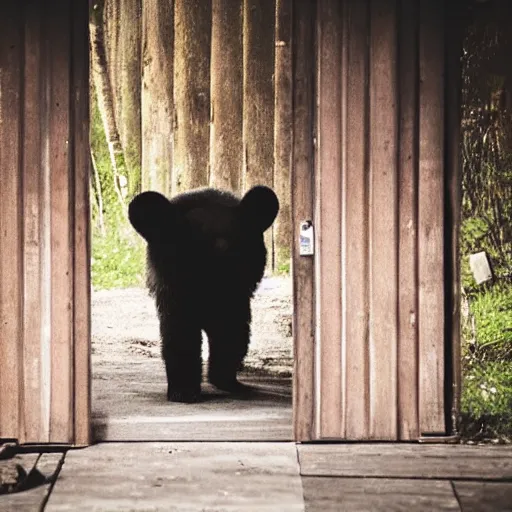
(193, 96)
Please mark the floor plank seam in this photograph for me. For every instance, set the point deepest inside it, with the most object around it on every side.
(457, 497)
(504, 480)
(300, 476)
(204, 441)
(53, 481)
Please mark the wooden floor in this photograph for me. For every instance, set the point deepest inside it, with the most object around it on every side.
(129, 404)
(272, 476)
(406, 477)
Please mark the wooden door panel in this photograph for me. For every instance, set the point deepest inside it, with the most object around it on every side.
(381, 305)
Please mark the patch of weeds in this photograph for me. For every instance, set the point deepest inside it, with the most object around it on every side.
(283, 269)
(492, 313)
(486, 401)
(118, 258)
(118, 252)
(488, 388)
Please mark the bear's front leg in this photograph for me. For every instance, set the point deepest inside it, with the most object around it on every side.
(181, 351)
(228, 339)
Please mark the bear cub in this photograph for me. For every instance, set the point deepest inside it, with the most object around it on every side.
(205, 258)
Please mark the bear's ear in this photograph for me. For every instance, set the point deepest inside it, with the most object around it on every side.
(150, 213)
(259, 207)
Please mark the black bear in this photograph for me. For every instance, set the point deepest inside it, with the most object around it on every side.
(205, 258)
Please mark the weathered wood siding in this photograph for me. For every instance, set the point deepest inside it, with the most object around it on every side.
(44, 222)
(384, 151)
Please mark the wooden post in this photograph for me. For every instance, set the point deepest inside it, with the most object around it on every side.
(129, 109)
(156, 96)
(258, 94)
(81, 229)
(283, 132)
(191, 94)
(454, 40)
(302, 209)
(226, 104)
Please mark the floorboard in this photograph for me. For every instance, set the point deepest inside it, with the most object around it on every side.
(407, 460)
(181, 477)
(484, 496)
(323, 494)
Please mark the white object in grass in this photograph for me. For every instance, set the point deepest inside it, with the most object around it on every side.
(480, 266)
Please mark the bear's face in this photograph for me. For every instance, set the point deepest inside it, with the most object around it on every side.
(213, 223)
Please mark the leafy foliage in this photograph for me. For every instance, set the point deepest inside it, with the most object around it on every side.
(118, 253)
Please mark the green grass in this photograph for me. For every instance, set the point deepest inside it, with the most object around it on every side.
(488, 388)
(118, 259)
(492, 311)
(486, 401)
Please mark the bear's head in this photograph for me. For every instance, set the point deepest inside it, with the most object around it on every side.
(204, 219)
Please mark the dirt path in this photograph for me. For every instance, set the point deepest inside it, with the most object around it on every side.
(125, 327)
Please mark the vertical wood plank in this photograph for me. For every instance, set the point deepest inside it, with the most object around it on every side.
(355, 222)
(81, 233)
(46, 284)
(32, 220)
(408, 223)
(302, 209)
(383, 221)
(328, 217)
(61, 415)
(454, 30)
(11, 312)
(431, 269)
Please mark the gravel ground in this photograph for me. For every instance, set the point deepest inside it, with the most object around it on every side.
(125, 327)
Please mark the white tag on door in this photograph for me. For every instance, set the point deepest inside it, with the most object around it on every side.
(307, 238)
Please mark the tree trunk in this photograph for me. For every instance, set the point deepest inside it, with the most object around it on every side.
(128, 114)
(258, 90)
(283, 133)
(97, 194)
(157, 102)
(226, 100)
(122, 35)
(103, 87)
(191, 94)
(111, 37)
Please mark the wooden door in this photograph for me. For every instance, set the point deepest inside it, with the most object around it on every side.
(375, 163)
(44, 222)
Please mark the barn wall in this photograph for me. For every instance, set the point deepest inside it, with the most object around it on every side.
(384, 117)
(44, 216)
